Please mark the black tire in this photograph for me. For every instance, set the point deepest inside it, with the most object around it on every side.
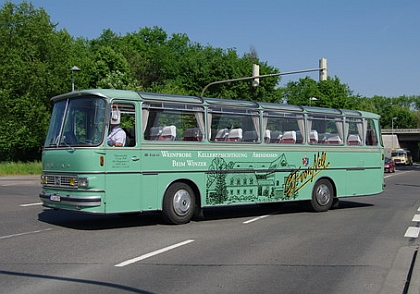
(179, 204)
(322, 196)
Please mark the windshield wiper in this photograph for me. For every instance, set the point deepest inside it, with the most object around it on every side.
(63, 142)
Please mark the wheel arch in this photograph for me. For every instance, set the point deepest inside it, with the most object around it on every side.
(192, 185)
(335, 203)
(332, 184)
(323, 196)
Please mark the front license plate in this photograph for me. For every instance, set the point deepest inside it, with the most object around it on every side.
(55, 198)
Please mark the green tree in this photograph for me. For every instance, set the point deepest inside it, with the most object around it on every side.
(173, 64)
(117, 80)
(330, 93)
(36, 61)
(33, 64)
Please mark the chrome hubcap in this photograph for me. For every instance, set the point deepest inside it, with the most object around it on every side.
(182, 202)
(323, 194)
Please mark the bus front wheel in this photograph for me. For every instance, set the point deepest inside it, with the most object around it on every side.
(178, 204)
(322, 196)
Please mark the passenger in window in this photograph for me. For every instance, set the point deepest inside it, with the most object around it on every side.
(117, 136)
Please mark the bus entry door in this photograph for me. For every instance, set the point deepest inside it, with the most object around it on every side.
(122, 180)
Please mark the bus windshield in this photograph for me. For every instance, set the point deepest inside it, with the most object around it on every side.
(77, 122)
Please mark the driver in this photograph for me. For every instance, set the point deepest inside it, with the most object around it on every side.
(117, 135)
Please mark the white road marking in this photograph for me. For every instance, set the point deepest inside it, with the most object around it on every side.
(30, 204)
(144, 256)
(396, 174)
(412, 232)
(255, 219)
(22, 234)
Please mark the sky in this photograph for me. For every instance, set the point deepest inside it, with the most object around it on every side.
(373, 46)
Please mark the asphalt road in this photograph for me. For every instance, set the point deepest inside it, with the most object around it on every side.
(359, 248)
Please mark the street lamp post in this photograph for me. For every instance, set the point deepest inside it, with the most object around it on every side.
(392, 132)
(312, 99)
(73, 69)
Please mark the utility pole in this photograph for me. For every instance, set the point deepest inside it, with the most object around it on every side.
(323, 74)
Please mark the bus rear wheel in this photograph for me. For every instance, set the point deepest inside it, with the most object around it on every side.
(322, 196)
(178, 204)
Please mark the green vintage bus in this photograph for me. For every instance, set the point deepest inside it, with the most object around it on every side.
(185, 153)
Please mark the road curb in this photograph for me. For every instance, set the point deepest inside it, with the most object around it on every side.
(414, 287)
(396, 279)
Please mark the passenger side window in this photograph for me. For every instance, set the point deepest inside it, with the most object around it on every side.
(173, 122)
(234, 125)
(284, 128)
(354, 128)
(325, 129)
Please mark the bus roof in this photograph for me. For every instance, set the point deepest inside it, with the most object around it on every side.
(147, 96)
(105, 93)
(170, 97)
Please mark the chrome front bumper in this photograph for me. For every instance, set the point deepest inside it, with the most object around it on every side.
(57, 199)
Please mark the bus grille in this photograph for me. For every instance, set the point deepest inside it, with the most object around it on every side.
(59, 181)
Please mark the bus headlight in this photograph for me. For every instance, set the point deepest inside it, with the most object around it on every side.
(83, 182)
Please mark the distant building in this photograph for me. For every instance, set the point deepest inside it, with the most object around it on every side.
(390, 143)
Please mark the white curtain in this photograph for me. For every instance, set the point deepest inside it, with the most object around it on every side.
(346, 128)
(339, 125)
(301, 124)
(199, 116)
(266, 133)
(145, 117)
(365, 126)
(256, 121)
(359, 126)
(209, 118)
(309, 125)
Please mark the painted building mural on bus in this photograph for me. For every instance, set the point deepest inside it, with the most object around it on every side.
(230, 182)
